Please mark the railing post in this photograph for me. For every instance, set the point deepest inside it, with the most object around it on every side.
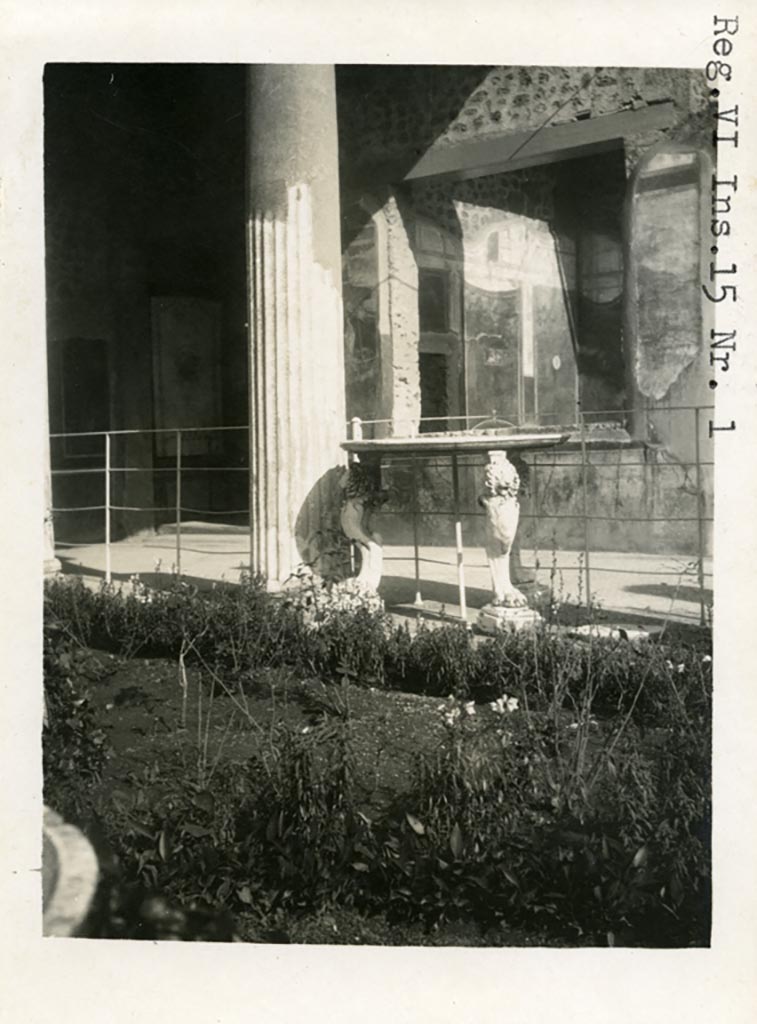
(178, 503)
(108, 573)
(416, 555)
(585, 490)
(700, 522)
(459, 541)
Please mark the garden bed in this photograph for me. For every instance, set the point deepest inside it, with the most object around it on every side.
(261, 770)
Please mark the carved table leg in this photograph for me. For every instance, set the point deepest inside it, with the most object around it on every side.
(501, 503)
(362, 494)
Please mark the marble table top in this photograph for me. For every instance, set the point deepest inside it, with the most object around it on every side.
(505, 439)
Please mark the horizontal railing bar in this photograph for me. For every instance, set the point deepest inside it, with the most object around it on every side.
(79, 508)
(378, 422)
(544, 568)
(647, 572)
(154, 469)
(157, 508)
(622, 519)
(138, 508)
(148, 430)
(172, 508)
(554, 464)
(505, 416)
(185, 470)
(556, 515)
(535, 458)
(211, 512)
(624, 465)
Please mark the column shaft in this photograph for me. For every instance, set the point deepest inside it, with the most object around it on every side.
(297, 406)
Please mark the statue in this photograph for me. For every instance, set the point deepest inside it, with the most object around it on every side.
(509, 607)
(502, 507)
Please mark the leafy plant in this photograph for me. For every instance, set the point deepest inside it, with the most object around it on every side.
(74, 747)
(571, 790)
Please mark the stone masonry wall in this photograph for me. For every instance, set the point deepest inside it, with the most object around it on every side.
(397, 115)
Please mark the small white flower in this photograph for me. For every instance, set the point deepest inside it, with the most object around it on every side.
(306, 729)
(706, 659)
(512, 704)
(669, 664)
(470, 708)
(498, 706)
(680, 669)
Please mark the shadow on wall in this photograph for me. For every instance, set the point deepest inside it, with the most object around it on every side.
(398, 115)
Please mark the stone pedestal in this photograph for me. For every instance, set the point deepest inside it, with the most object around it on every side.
(297, 408)
(493, 618)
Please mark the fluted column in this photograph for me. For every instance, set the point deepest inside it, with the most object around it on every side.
(297, 407)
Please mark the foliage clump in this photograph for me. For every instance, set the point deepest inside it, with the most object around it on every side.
(569, 791)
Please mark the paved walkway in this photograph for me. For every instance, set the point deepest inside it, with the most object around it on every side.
(632, 587)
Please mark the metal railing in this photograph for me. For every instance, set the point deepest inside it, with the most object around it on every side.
(586, 440)
(585, 443)
(108, 506)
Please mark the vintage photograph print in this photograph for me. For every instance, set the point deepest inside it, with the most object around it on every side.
(378, 596)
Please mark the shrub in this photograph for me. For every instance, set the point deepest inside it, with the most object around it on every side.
(436, 661)
(71, 608)
(580, 801)
(504, 825)
(243, 629)
(74, 748)
(302, 827)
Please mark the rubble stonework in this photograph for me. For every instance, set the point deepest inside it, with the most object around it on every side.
(450, 106)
